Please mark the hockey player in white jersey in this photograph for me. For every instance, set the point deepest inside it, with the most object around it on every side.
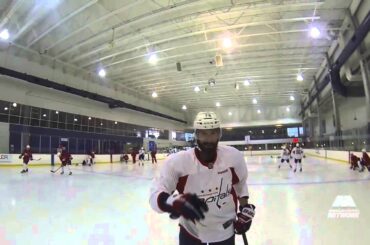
(202, 186)
(285, 155)
(141, 156)
(297, 154)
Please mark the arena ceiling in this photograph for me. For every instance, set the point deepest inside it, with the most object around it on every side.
(263, 45)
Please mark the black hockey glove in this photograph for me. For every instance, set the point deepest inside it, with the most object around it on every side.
(244, 218)
(187, 205)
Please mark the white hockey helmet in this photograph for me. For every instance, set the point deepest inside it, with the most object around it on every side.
(297, 144)
(364, 150)
(28, 146)
(206, 120)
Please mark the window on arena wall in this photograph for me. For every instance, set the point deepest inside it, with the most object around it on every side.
(301, 132)
(292, 132)
(35, 116)
(53, 123)
(180, 136)
(173, 135)
(152, 133)
(15, 113)
(41, 117)
(62, 120)
(98, 125)
(77, 123)
(54, 115)
(84, 120)
(69, 121)
(84, 123)
(108, 127)
(91, 124)
(4, 111)
(25, 115)
(44, 118)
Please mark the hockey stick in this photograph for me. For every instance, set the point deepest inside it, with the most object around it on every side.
(245, 239)
(54, 171)
(38, 159)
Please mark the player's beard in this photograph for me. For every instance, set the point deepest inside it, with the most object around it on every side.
(207, 148)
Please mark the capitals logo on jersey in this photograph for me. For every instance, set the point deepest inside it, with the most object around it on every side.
(216, 196)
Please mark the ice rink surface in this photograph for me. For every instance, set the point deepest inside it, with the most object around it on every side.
(108, 204)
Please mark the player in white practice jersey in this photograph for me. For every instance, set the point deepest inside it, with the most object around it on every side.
(297, 154)
(141, 156)
(285, 155)
(202, 186)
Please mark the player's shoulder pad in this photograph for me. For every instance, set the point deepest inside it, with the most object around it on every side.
(229, 151)
(178, 157)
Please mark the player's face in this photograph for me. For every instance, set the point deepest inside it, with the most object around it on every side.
(207, 139)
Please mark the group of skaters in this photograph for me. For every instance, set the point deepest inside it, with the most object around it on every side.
(296, 153)
(360, 163)
(63, 155)
(65, 158)
(141, 156)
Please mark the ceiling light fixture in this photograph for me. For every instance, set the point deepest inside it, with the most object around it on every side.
(153, 59)
(227, 43)
(102, 73)
(247, 82)
(211, 82)
(315, 32)
(300, 77)
(4, 34)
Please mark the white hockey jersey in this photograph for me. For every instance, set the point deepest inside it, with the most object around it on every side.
(285, 154)
(219, 187)
(297, 153)
(141, 152)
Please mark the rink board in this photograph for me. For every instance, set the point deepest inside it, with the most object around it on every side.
(13, 160)
(46, 159)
